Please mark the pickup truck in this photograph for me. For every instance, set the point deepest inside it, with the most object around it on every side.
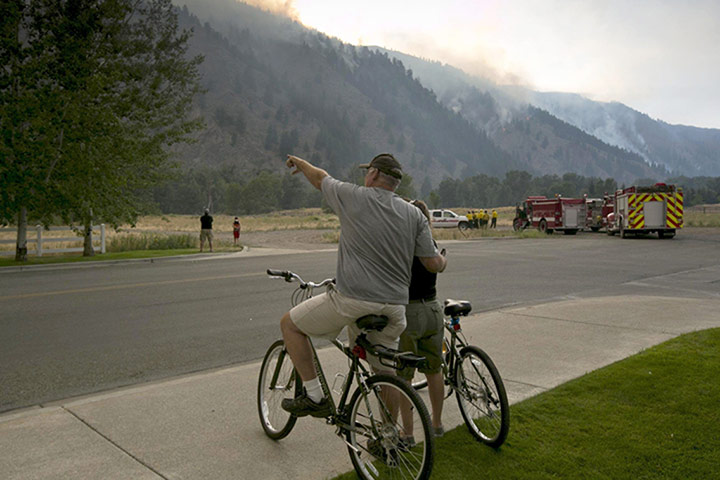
(447, 219)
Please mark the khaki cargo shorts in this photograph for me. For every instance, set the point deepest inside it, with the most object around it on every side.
(424, 336)
(327, 314)
(206, 234)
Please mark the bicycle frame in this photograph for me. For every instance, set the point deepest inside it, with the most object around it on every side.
(453, 351)
(356, 371)
(380, 438)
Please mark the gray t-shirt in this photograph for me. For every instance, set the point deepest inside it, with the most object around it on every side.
(380, 235)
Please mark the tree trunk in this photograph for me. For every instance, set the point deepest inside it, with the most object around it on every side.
(88, 250)
(21, 245)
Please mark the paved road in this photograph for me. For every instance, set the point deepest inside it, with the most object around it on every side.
(72, 331)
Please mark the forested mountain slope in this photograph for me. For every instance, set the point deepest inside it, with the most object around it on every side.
(679, 149)
(269, 94)
(274, 87)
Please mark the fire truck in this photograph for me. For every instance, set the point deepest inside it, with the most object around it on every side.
(640, 210)
(598, 210)
(550, 214)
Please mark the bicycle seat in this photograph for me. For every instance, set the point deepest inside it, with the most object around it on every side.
(457, 308)
(372, 322)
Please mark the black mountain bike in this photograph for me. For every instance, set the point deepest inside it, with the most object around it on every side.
(369, 422)
(472, 375)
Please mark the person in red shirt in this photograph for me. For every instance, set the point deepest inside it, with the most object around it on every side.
(236, 231)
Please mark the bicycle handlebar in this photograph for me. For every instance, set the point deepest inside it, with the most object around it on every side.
(290, 276)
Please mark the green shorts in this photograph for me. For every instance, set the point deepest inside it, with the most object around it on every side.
(423, 336)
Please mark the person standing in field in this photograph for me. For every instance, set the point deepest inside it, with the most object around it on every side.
(236, 231)
(494, 219)
(206, 233)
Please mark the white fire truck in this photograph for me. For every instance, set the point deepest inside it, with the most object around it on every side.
(641, 210)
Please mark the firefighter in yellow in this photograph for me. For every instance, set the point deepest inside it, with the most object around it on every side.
(486, 218)
(494, 219)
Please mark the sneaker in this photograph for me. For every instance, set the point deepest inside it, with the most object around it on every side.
(407, 443)
(303, 405)
(439, 431)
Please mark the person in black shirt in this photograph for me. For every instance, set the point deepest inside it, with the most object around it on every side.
(206, 230)
(424, 335)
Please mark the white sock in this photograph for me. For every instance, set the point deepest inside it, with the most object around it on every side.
(314, 390)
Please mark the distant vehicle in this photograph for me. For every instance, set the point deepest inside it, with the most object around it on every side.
(550, 214)
(642, 210)
(598, 210)
(441, 218)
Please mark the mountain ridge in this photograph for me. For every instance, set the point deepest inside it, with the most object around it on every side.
(275, 87)
(679, 149)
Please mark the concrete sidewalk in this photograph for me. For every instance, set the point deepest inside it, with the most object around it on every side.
(206, 426)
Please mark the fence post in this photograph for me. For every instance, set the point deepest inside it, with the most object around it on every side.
(38, 244)
(102, 238)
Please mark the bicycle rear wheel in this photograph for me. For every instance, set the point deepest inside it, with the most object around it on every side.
(278, 380)
(382, 442)
(481, 397)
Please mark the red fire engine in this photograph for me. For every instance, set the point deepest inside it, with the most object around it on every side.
(658, 208)
(598, 210)
(550, 214)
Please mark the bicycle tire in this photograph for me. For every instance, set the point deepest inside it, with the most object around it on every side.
(276, 422)
(481, 396)
(374, 443)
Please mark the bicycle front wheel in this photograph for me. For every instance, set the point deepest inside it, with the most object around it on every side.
(278, 380)
(390, 433)
(481, 396)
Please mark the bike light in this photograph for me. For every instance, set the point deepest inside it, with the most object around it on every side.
(456, 327)
(359, 352)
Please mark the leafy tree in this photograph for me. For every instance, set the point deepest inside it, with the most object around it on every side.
(261, 194)
(92, 94)
(407, 188)
(293, 192)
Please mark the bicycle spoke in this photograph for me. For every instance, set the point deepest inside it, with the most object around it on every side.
(381, 451)
(481, 397)
(277, 381)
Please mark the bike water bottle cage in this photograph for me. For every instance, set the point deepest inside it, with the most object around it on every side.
(372, 322)
(457, 308)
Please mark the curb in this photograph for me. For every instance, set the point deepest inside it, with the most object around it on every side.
(107, 263)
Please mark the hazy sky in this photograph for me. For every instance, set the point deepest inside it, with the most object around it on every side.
(661, 57)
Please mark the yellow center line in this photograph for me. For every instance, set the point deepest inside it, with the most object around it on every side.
(124, 286)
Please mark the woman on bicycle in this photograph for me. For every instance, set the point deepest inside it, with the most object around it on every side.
(424, 334)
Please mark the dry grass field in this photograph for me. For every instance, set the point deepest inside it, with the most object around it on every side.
(703, 216)
(302, 219)
(161, 232)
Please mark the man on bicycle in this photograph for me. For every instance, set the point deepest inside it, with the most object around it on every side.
(380, 235)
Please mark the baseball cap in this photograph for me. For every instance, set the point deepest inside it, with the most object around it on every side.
(387, 164)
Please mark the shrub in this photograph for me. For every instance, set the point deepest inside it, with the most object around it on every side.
(132, 241)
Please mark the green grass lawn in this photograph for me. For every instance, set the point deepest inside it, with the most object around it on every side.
(655, 415)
